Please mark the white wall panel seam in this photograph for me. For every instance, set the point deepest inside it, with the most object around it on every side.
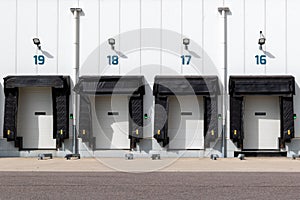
(181, 25)
(203, 37)
(161, 33)
(26, 30)
(119, 35)
(57, 34)
(140, 36)
(37, 30)
(265, 26)
(286, 55)
(244, 36)
(16, 38)
(99, 32)
(202, 55)
(37, 18)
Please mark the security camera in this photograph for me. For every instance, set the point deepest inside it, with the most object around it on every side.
(261, 40)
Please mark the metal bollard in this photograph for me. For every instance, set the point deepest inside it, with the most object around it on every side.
(129, 156)
(155, 156)
(41, 156)
(241, 156)
(214, 156)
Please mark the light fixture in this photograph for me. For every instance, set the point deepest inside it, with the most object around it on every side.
(146, 116)
(261, 40)
(186, 42)
(37, 42)
(112, 42)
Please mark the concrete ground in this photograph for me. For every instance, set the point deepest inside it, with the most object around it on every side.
(148, 165)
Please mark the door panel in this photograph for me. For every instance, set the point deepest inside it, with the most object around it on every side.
(35, 118)
(185, 121)
(111, 131)
(261, 122)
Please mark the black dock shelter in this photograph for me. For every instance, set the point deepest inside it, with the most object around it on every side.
(133, 86)
(166, 86)
(281, 86)
(60, 98)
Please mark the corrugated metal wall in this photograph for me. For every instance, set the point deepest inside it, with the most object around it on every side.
(198, 20)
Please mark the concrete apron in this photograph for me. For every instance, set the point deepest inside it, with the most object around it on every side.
(138, 165)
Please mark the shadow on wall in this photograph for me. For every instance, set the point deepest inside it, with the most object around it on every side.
(47, 54)
(122, 55)
(146, 144)
(7, 149)
(68, 143)
(293, 147)
(193, 53)
(176, 127)
(268, 54)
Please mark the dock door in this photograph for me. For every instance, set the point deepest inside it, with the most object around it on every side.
(186, 109)
(186, 125)
(36, 113)
(262, 122)
(35, 118)
(261, 112)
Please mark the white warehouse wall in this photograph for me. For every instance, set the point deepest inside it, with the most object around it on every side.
(199, 20)
(278, 21)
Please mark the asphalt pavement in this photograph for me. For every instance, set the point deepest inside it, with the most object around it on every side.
(117, 178)
(154, 185)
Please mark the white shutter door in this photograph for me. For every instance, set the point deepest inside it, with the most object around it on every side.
(35, 118)
(185, 122)
(110, 125)
(261, 122)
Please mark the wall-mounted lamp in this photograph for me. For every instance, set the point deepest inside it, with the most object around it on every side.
(37, 42)
(186, 42)
(112, 42)
(261, 40)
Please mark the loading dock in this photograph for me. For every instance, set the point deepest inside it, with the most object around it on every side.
(186, 122)
(36, 111)
(261, 113)
(111, 111)
(186, 111)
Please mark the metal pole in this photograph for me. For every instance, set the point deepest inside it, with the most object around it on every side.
(223, 11)
(76, 12)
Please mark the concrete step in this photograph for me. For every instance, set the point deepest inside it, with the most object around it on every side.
(261, 153)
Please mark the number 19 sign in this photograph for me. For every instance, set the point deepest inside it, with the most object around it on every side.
(39, 59)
